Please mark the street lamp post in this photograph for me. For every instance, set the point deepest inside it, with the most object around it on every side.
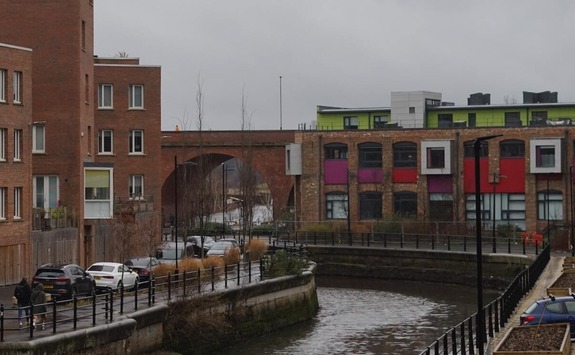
(480, 316)
(571, 199)
(223, 198)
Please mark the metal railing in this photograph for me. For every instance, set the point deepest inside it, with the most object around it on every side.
(53, 218)
(84, 312)
(462, 338)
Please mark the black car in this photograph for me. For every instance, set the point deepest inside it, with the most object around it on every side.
(194, 245)
(144, 267)
(64, 281)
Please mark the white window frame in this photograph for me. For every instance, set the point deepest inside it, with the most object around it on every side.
(2, 203)
(535, 145)
(96, 205)
(549, 205)
(38, 138)
(135, 182)
(133, 104)
(102, 141)
(336, 206)
(433, 145)
(133, 138)
(105, 93)
(3, 144)
(2, 85)
(17, 145)
(17, 87)
(17, 203)
(50, 191)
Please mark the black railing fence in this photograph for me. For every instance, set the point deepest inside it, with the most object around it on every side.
(444, 242)
(461, 339)
(100, 308)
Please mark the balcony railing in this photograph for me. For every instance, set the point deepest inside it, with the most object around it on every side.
(133, 204)
(53, 218)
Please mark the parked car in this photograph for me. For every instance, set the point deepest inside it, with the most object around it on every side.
(194, 244)
(551, 310)
(219, 248)
(64, 281)
(110, 275)
(144, 266)
(166, 253)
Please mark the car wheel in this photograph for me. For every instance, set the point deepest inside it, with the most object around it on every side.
(92, 289)
(136, 283)
(120, 285)
(74, 292)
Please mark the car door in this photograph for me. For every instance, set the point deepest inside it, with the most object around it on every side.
(570, 306)
(555, 312)
(79, 279)
(129, 275)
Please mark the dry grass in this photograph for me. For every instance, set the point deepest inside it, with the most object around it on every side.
(190, 264)
(214, 261)
(256, 248)
(164, 269)
(232, 256)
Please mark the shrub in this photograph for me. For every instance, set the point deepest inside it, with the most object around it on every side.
(190, 264)
(214, 261)
(256, 249)
(164, 269)
(284, 263)
(231, 256)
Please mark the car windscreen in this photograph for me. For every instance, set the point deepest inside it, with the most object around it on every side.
(168, 254)
(221, 246)
(105, 268)
(49, 273)
(138, 262)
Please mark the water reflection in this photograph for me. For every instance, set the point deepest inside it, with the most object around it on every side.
(359, 316)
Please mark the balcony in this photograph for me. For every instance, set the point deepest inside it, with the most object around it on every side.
(133, 204)
(53, 218)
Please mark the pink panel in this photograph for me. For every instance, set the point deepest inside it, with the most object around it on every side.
(367, 175)
(335, 171)
(440, 183)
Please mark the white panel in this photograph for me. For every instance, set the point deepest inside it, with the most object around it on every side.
(293, 159)
(556, 144)
(446, 145)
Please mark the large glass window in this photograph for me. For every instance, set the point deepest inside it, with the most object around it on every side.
(441, 206)
(549, 205)
(336, 205)
(3, 144)
(435, 157)
(512, 119)
(469, 150)
(370, 204)
(17, 203)
(17, 87)
(17, 145)
(405, 204)
(2, 203)
(38, 138)
(512, 148)
(105, 141)
(545, 156)
(136, 96)
(445, 120)
(105, 96)
(350, 122)
(335, 151)
(370, 155)
(46, 191)
(98, 192)
(136, 142)
(380, 121)
(2, 85)
(404, 155)
(484, 206)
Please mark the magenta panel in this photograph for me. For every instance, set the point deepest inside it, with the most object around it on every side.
(367, 175)
(440, 183)
(335, 171)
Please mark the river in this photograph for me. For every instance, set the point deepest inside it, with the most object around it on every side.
(365, 316)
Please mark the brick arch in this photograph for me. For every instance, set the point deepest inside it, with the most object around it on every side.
(268, 149)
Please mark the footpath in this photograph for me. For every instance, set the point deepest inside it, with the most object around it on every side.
(548, 277)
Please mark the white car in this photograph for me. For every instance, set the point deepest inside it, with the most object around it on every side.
(113, 276)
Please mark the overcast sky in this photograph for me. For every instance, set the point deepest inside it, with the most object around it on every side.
(337, 53)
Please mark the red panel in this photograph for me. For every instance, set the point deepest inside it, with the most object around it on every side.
(513, 176)
(404, 175)
(335, 171)
(469, 175)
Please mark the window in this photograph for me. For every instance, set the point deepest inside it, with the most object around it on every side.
(445, 120)
(336, 205)
(350, 122)
(2, 144)
(97, 193)
(335, 151)
(471, 120)
(411, 109)
(136, 95)
(470, 207)
(38, 138)
(83, 35)
(545, 155)
(17, 87)
(380, 121)
(2, 85)
(539, 118)
(550, 205)
(136, 142)
(370, 155)
(2, 203)
(469, 150)
(105, 141)
(370, 205)
(46, 193)
(86, 89)
(136, 186)
(405, 204)
(440, 206)
(512, 148)
(17, 145)
(513, 207)
(512, 119)
(17, 203)
(105, 96)
(404, 155)
(435, 158)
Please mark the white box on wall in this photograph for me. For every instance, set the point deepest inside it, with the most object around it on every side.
(293, 159)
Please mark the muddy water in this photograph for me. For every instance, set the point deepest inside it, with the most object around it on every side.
(371, 317)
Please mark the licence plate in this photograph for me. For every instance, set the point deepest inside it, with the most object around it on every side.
(98, 277)
(48, 286)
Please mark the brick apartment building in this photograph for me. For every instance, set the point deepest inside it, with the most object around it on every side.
(93, 135)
